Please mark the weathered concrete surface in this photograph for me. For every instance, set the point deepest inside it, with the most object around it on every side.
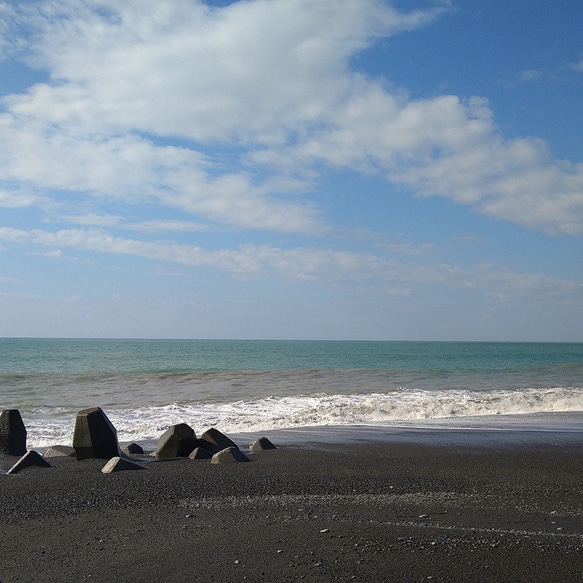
(178, 441)
(261, 443)
(12, 433)
(214, 441)
(200, 453)
(29, 459)
(133, 449)
(95, 436)
(60, 451)
(120, 464)
(228, 456)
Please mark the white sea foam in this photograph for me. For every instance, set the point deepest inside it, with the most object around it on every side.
(273, 413)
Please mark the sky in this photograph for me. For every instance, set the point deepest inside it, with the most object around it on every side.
(339, 169)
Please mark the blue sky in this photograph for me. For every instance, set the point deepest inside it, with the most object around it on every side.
(344, 169)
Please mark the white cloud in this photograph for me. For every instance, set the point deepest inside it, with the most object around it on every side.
(270, 79)
(170, 226)
(6, 15)
(134, 170)
(92, 219)
(305, 264)
(251, 70)
(52, 254)
(155, 226)
(453, 149)
(259, 72)
(8, 234)
(576, 66)
(16, 199)
(530, 75)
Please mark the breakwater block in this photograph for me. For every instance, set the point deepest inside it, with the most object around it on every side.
(94, 436)
(120, 464)
(214, 441)
(29, 459)
(133, 449)
(60, 451)
(178, 441)
(228, 456)
(261, 443)
(12, 433)
(199, 453)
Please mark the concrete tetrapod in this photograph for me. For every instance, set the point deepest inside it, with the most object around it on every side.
(120, 464)
(229, 455)
(133, 449)
(261, 443)
(199, 453)
(178, 441)
(214, 441)
(29, 459)
(12, 433)
(95, 436)
(60, 451)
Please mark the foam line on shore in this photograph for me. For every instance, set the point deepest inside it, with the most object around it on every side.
(505, 431)
(281, 413)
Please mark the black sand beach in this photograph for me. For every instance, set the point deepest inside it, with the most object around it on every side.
(393, 510)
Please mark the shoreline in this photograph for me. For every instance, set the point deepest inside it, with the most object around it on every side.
(559, 428)
(412, 506)
(538, 429)
(490, 432)
(560, 422)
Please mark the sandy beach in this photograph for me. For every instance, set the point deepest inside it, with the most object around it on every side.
(392, 510)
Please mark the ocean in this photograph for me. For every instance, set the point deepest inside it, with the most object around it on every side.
(250, 387)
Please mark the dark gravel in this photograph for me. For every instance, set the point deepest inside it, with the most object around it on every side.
(366, 512)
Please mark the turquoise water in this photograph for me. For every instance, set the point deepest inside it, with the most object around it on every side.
(147, 385)
(23, 355)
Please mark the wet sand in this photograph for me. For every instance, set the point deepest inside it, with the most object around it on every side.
(398, 509)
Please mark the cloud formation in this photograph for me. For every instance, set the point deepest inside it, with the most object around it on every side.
(310, 265)
(264, 98)
(250, 71)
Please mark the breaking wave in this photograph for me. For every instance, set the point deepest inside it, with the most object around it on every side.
(49, 426)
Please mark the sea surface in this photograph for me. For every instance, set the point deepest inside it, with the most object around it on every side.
(248, 386)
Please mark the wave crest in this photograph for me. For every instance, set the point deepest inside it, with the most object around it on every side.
(271, 413)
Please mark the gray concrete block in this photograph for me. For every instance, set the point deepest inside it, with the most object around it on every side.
(29, 459)
(94, 436)
(178, 441)
(12, 433)
(228, 456)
